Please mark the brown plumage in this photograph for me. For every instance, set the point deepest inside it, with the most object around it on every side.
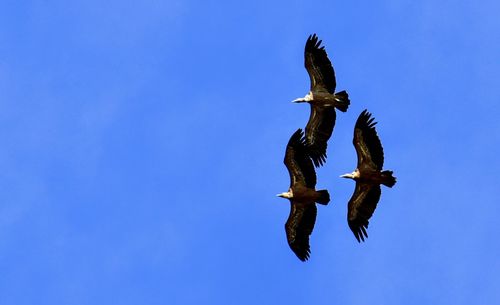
(302, 196)
(322, 98)
(368, 175)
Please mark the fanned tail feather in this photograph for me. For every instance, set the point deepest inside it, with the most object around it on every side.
(323, 198)
(388, 179)
(343, 101)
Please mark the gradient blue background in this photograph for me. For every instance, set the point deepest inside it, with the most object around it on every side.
(142, 146)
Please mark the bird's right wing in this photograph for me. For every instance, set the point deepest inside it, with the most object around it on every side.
(319, 129)
(361, 207)
(299, 226)
(318, 66)
(298, 162)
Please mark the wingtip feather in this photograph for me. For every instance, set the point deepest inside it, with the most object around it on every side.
(313, 42)
(359, 231)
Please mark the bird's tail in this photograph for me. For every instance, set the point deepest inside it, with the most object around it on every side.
(323, 197)
(343, 101)
(388, 179)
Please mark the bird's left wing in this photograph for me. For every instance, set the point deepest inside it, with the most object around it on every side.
(361, 207)
(318, 66)
(299, 226)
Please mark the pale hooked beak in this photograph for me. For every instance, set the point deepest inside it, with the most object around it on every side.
(346, 176)
(299, 100)
(281, 195)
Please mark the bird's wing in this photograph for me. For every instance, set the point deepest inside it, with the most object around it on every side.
(318, 130)
(298, 163)
(361, 207)
(318, 66)
(299, 226)
(367, 143)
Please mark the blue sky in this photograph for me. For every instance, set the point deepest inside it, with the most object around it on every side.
(142, 147)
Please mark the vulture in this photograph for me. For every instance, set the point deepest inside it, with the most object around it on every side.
(322, 98)
(368, 175)
(302, 195)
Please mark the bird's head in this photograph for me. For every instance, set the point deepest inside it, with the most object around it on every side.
(304, 99)
(286, 195)
(353, 175)
(299, 100)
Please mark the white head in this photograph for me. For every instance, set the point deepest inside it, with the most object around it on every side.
(304, 99)
(287, 195)
(354, 175)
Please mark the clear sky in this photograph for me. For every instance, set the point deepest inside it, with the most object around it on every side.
(142, 147)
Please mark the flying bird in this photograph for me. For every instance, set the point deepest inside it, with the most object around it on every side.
(322, 98)
(302, 195)
(368, 175)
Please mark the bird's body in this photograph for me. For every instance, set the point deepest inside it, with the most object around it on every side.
(325, 99)
(322, 98)
(302, 195)
(371, 176)
(368, 175)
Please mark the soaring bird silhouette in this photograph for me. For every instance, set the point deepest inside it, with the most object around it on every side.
(322, 98)
(302, 195)
(368, 175)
